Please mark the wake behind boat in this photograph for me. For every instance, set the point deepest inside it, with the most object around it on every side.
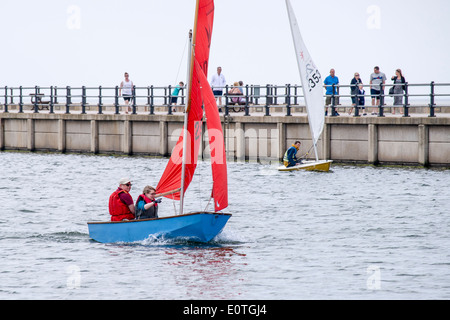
(175, 180)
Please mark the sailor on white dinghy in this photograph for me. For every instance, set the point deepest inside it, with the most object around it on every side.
(290, 157)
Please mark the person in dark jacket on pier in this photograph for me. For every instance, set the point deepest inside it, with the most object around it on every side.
(354, 90)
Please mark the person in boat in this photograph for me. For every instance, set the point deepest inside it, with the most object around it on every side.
(290, 157)
(146, 204)
(121, 205)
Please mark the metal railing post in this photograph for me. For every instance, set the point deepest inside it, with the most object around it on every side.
(116, 100)
(267, 107)
(432, 104)
(133, 106)
(380, 107)
(275, 95)
(288, 100)
(68, 99)
(69, 94)
(182, 95)
(100, 102)
(83, 100)
(296, 97)
(51, 100)
(36, 91)
(55, 101)
(152, 107)
(148, 96)
(406, 105)
(165, 95)
(6, 100)
(227, 112)
(11, 97)
(20, 99)
(168, 96)
(247, 109)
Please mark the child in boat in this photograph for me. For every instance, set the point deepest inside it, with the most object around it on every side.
(146, 204)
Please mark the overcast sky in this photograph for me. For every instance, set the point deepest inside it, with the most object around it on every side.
(93, 42)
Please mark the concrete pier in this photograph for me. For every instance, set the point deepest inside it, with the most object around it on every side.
(415, 140)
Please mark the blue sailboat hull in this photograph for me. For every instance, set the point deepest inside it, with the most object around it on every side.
(199, 226)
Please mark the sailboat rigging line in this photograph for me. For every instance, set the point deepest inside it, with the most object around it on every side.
(307, 153)
(174, 207)
(181, 60)
(207, 205)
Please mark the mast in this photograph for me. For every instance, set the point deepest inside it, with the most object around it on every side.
(315, 151)
(186, 112)
(190, 70)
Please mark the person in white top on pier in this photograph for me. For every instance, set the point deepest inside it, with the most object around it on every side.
(218, 83)
(126, 91)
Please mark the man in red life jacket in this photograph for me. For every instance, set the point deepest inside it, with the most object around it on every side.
(121, 206)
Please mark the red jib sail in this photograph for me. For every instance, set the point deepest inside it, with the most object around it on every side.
(171, 178)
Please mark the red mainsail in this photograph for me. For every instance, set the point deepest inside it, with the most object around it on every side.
(199, 93)
(216, 144)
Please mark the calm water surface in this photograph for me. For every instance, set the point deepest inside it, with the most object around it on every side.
(353, 233)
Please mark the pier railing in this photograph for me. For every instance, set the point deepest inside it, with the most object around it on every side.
(266, 98)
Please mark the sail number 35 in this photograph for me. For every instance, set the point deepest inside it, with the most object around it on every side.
(313, 76)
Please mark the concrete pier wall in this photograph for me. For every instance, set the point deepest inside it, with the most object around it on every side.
(385, 140)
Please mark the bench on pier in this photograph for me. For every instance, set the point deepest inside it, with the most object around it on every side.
(236, 98)
(37, 99)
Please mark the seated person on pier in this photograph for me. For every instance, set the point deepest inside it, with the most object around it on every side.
(146, 204)
(235, 91)
(290, 159)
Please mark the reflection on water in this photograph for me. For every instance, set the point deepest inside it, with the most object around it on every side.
(206, 268)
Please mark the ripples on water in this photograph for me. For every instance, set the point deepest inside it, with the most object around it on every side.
(354, 233)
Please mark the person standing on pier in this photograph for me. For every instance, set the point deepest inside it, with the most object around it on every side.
(121, 205)
(399, 86)
(354, 90)
(218, 83)
(330, 90)
(175, 92)
(126, 91)
(377, 82)
(361, 99)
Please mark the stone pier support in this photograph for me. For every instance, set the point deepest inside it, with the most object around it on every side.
(421, 141)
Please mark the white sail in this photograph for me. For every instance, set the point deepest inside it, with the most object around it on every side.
(311, 80)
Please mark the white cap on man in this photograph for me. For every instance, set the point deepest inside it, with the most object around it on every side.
(124, 181)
